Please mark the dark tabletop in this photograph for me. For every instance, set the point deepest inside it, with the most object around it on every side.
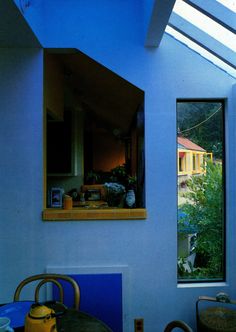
(68, 320)
(77, 321)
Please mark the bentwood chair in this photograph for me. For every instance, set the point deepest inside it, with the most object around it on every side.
(67, 319)
(177, 324)
(52, 278)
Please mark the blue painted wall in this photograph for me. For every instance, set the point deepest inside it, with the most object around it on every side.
(111, 32)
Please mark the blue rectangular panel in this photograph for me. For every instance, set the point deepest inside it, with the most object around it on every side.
(101, 296)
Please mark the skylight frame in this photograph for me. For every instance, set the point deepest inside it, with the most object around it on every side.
(211, 15)
(230, 4)
(206, 22)
(201, 49)
(198, 40)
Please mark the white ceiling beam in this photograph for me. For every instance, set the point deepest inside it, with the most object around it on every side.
(159, 18)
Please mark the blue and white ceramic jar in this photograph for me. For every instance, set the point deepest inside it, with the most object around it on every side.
(130, 198)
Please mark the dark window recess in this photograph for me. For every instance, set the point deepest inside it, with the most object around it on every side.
(59, 144)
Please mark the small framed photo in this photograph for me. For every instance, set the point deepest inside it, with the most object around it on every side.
(93, 195)
(56, 195)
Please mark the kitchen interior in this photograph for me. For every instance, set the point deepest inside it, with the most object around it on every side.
(94, 123)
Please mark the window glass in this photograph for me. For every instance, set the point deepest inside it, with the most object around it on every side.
(200, 148)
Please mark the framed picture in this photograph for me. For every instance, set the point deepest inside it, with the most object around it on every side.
(93, 195)
(56, 197)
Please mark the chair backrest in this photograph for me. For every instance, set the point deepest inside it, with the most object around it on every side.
(177, 323)
(53, 278)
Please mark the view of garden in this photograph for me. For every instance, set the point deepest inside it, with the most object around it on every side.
(200, 190)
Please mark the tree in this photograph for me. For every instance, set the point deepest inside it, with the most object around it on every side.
(202, 122)
(204, 212)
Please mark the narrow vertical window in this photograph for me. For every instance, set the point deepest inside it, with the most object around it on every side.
(201, 193)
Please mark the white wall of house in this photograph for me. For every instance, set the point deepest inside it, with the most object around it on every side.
(111, 33)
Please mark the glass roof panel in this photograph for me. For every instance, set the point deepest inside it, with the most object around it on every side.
(203, 52)
(230, 4)
(206, 24)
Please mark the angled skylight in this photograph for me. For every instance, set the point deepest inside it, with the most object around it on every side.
(206, 24)
(210, 36)
(230, 4)
(201, 50)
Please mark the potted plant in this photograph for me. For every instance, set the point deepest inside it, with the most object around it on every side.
(92, 177)
(114, 194)
(119, 174)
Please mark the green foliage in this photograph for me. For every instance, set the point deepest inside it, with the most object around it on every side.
(205, 119)
(204, 211)
(118, 174)
(121, 175)
(92, 177)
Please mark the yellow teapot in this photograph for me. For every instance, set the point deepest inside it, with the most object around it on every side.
(40, 319)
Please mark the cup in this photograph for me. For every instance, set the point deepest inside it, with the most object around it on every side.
(5, 324)
(68, 202)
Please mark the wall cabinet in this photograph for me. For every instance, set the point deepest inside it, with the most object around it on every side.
(60, 152)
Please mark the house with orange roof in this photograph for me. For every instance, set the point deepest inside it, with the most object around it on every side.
(191, 159)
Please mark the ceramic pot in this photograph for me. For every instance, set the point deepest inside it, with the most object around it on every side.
(115, 200)
(130, 198)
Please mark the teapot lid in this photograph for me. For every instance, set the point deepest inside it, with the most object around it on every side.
(40, 311)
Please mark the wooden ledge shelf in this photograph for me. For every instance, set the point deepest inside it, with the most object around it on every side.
(75, 214)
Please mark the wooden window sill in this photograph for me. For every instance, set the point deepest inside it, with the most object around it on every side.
(75, 214)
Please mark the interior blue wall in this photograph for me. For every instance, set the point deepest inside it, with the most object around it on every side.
(112, 33)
